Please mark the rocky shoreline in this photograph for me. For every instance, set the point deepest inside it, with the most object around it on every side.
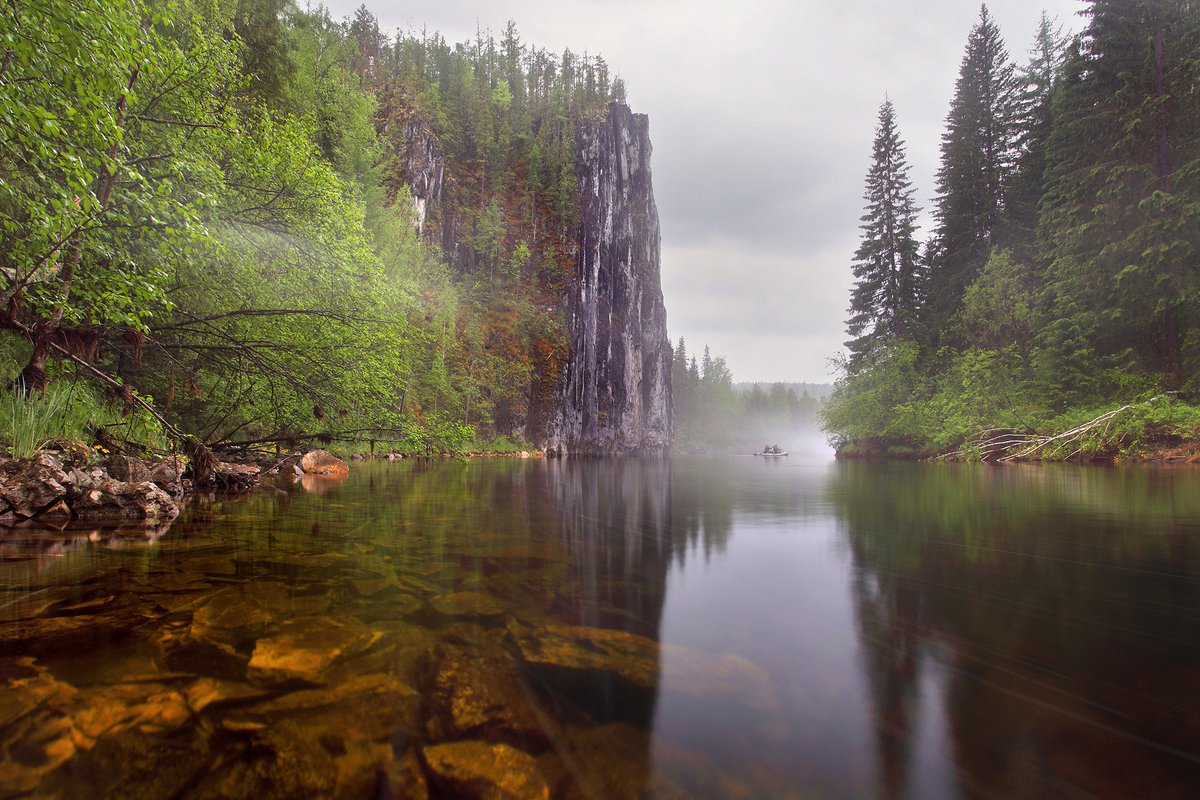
(58, 488)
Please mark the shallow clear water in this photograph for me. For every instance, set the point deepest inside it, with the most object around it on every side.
(789, 628)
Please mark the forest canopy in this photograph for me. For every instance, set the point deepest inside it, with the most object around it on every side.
(206, 204)
(1061, 278)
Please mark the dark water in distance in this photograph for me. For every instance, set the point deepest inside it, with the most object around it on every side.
(734, 627)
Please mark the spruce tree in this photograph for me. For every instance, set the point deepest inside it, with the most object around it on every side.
(1035, 120)
(887, 265)
(979, 154)
(1120, 223)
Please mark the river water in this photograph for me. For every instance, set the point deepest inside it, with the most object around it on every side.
(724, 628)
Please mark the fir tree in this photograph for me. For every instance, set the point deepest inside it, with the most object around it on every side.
(887, 264)
(1035, 122)
(1120, 223)
(979, 156)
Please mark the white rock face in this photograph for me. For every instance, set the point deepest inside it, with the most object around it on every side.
(615, 396)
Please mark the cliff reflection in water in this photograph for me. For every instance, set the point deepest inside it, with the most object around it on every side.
(701, 628)
(1055, 611)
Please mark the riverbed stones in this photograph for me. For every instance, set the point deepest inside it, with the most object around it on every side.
(303, 649)
(485, 771)
(477, 692)
(646, 664)
(468, 604)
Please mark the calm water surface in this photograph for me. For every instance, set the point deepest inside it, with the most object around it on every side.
(734, 628)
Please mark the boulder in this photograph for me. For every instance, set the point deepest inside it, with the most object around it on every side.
(29, 485)
(166, 474)
(484, 771)
(114, 501)
(127, 469)
(321, 462)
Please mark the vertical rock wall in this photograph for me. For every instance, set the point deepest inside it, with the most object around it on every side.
(616, 391)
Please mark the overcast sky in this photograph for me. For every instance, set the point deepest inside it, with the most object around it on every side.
(762, 114)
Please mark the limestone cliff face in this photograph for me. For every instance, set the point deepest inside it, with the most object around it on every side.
(615, 396)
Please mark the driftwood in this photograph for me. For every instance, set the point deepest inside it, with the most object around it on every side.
(1007, 444)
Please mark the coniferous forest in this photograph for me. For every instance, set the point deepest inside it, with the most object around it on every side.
(207, 226)
(1054, 310)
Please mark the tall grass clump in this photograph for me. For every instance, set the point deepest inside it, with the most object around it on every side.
(67, 412)
(31, 420)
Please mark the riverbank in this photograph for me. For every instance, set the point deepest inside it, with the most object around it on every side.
(1162, 429)
(91, 486)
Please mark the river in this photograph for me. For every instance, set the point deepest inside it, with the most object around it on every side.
(709, 628)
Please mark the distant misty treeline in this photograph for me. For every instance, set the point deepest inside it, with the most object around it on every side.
(714, 414)
(1062, 271)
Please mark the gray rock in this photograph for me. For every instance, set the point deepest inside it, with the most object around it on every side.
(166, 476)
(114, 501)
(128, 469)
(29, 485)
(616, 393)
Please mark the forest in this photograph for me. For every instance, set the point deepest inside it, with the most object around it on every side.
(1054, 309)
(207, 229)
(713, 414)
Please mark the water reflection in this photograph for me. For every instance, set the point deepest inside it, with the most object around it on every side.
(625, 629)
(1062, 605)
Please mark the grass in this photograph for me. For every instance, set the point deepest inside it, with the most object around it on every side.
(71, 412)
(31, 420)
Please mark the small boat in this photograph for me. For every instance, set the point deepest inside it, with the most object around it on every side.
(772, 452)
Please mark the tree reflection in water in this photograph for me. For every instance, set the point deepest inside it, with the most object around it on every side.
(1061, 603)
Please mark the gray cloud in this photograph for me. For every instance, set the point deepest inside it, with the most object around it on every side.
(762, 114)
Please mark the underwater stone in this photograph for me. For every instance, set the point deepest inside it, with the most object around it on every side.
(483, 771)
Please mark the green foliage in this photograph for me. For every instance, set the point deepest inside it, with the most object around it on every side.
(69, 412)
(879, 403)
(1062, 282)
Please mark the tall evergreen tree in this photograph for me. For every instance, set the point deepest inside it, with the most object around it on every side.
(887, 264)
(1037, 80)
(979, 153)
(1120, 223)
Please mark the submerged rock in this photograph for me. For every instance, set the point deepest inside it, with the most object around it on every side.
(468, 604)
(646, 664)
(302, 649)
(483, 771)
(474, 693)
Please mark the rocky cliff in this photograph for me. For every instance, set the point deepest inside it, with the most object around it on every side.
(615, 395)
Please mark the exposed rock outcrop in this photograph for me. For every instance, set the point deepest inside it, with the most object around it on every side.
(616, 392)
